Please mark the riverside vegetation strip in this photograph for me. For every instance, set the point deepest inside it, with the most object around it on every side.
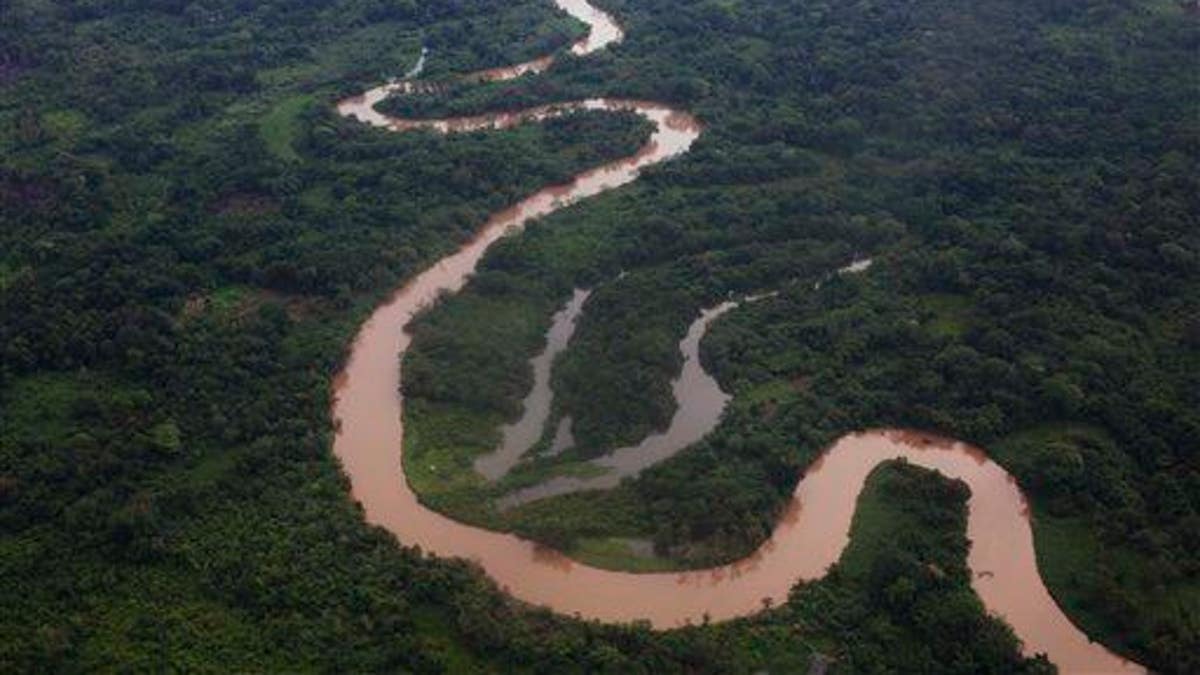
(1014, 302)
(234, 512)
(368, 415)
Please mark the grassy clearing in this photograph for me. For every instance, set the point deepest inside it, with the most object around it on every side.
(280, 127)
(617, 553)
(318, 198)
(568, 520)
(440, 446)
(543, 469)
(950, 314)
(229, 299)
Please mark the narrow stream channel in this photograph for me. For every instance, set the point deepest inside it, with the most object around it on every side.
(699, 404)
(520, 436)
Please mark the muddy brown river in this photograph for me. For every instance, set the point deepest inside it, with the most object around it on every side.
(368, 413)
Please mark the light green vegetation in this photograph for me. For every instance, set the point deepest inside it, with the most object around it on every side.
(281, 126)
(618, 553)
(900, 591)
(1035, 157)
(438, 455)
(1082, 563)
(39, 408)
(564, 521)
(227, 299)
(64, 126)
(389, 47)
(948, 315)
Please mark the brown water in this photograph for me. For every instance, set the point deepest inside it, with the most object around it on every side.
(699, 403)
(517, 438)
(603, 31)
(367, 414)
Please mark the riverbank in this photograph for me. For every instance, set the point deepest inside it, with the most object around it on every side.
(368, 414)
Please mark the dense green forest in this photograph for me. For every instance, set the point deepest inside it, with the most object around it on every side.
(1025, 177)
(189, 237)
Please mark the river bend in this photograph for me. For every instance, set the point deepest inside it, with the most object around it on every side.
(368, 413)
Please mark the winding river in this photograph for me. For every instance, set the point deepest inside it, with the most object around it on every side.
(813, 530)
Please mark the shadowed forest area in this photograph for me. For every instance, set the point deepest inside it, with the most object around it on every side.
(189, 238)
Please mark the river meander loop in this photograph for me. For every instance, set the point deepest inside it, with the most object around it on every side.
(368, 414)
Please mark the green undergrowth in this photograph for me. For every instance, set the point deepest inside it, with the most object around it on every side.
(1088, 565)
(898, 599)
(440, 445)
(905, 567)
(167, 490)
(619, 553)
(281, 126)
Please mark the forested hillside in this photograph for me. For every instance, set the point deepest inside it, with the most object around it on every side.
(189, 237)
